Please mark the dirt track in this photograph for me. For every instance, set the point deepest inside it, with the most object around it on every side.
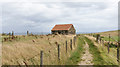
(87, 57)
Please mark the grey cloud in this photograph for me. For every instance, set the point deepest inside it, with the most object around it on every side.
(98, 5)
(38, 18)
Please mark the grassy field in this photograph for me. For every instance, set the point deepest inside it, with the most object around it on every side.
(112, 56)
(100, 53)
(113, 39)
(112, 33)
(24, 49)
(27, 49)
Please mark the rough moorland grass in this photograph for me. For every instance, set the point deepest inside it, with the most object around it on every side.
(19, 39)
(97, 59)
(24, 49)
(76, 55)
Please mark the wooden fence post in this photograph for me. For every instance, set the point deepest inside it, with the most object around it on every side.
(71, 44)
(109, 44)
(27, 33)
(58, 52)
(66, 46)
(74, 40)
(41, 58)
(97, 37)
(12, 33)
(108, 47)
(118, 52)
(100, 40)
(109, 38)
(25, 64)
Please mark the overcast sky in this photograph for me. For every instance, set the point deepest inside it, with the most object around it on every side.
(41, 17)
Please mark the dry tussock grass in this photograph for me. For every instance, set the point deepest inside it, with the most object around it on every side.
(28, 51)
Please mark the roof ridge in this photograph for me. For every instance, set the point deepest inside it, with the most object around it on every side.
(64, 24)
(62, 27)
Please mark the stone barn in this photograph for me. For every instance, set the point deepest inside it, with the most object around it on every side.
(63, 29)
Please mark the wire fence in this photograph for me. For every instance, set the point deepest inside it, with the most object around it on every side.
(99, 39)
(69, 44)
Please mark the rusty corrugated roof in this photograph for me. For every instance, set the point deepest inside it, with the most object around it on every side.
(62, 27)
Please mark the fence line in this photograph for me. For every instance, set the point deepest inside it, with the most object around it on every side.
(117, 42)
(41, 54)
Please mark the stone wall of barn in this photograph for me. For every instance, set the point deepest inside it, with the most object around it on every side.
(60, 32)
(72, 30)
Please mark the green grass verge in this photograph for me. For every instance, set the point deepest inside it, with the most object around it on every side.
(77, 54)
(112, 40)
(97, 59)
